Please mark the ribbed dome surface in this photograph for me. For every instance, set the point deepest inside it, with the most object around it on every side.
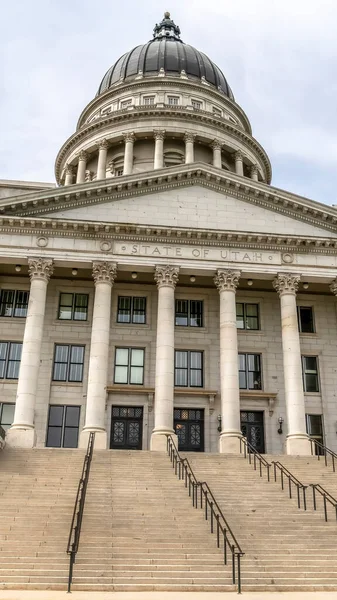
(168, 52)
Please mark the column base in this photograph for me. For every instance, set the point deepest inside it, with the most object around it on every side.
(159, 441)
(21, 438)
(229, 443)
(298, 445)
(101, 439)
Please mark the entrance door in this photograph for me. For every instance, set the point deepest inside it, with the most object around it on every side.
(189, 427)
(253, 429)
(126, 427)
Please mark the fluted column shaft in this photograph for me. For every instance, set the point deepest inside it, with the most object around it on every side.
(216, 154)
(102, 157)
(159, 149)
(22, 433)
(104, 274)
(238, 163)
(82, 165)
(227, 281)
(189, 148)
(166, 277)
(129, 139)
(297, 441)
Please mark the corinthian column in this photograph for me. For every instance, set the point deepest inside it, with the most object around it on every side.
(297, 441)
(82, 165)
(238, 163)
(216, 145)
(227, 281)
(189, 148)
(166, 277)
(159, 149)
(129, 139)
(69, 170)
(102, 154)
(22, 432)
(104, 274)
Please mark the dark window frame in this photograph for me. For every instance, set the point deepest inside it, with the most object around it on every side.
(131, 311)
(129, 366)
(247, 371)
(190, 314)
(245, 317)
(300, 326)
(189, 369)
(7, 361)
(309, 372)
(69, 363)
(63, 427)
(15, 304)
(73, 307)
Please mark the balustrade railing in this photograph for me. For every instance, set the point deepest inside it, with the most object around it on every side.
(316, 487)
(318, 449)
(203, 498)
(249, 451)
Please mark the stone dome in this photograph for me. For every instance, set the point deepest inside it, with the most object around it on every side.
(168, 54)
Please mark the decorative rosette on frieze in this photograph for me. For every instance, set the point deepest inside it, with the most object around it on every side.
(40, 268)
(166, 275)
(104, 272)
(286, 283)
(227, 280)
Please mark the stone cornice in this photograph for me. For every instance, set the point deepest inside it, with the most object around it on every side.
(225, 182)
(155, 83)
(167, 112)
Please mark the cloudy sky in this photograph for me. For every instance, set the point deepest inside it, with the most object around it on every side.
(279, 56)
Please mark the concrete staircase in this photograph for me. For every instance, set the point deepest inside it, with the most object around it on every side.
(139, 531)
(286, 549)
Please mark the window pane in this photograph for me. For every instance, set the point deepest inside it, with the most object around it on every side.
(121, 374)
(196, 307)
(137, 357)
(181, 377)
(72, 416)
(55, 415)
(252, 310)
(124, 309)
(139, 310)
(242, 362)
(75, 372)
(306, 319)
(54, 437)
(7, 415)
(70, 437)
(310, 363)
(13, 368)
(252, 323)
(3, 350)
(181, 359)
(315, 425)
(66, 306)
(136, 375)
(6, 303)
(60, 372)
(253, 362)
(15, 351)
(77, 354)
(21, 304)
(182, 312)
(196, 360)
(254, 380)
(61, 353)
(81, 307)
(311, 381)
(195, 378)
(242, 380)
(122, 356)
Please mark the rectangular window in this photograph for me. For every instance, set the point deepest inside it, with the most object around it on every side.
(149, 100)
(310, 373)
(129, 365)
(10, 357)
(73, 307)
(188, 368)
(173, 100)
(250, 371)
(68, 363)
(6, 415)
(131, 309)
(315, 430)
(189, 313)
(196, 104)
(63, 424)
(13, 303)
(306, 319)
(216, 111)
(247, 316)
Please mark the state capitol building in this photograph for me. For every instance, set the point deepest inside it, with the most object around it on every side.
(164, 285)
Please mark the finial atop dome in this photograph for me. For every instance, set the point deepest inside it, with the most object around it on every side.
(167, 29)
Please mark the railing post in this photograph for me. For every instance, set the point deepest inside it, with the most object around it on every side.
(314, 497)
(304, 498)
(268, 472)
(212, 515)
(225, 546)
(325, 508)
(233, 563)
(239, 573)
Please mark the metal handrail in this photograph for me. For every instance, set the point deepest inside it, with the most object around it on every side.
(325, 452)
(291, 479)
(316, 487)
(249, 450)
(212, 509)
(76, 522)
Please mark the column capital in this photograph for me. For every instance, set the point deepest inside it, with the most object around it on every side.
(166, 275)
(83, 155)
(216, 144)
(227, 280)
(333, 286)
(103, 144)
(104, 272)
(40, 268)
(129, 137)
(69, 169)
(286, 283)
(159, 134)
(254, 170)
(189, 137)
(238, 155)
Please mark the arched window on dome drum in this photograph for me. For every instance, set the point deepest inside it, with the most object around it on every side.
(115, 166)
(173, 157)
